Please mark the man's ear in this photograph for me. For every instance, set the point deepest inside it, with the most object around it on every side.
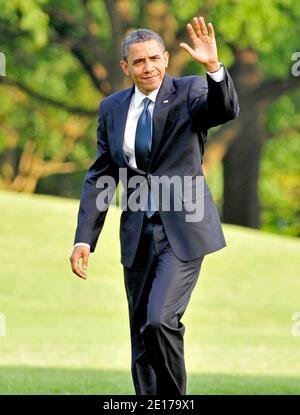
(166, 58)
(124, 66)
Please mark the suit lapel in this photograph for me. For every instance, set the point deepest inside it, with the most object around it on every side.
(163, 103)
(120, 117)
(162, 106)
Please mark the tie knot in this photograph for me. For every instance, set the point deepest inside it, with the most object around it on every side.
(146, 102)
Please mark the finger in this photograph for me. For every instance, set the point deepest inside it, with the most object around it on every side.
(203, 26)
(191, 32)
(187, 48)
(75, 268)
(211, 31)
(197, 27)
(77, 271)
(85, 260)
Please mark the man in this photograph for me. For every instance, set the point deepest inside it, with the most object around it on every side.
(158, 128)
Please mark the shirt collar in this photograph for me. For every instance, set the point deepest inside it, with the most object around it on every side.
(139, 96)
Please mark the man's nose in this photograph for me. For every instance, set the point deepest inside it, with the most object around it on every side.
(148, 66)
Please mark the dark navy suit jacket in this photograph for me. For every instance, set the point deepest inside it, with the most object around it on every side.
(185, 109)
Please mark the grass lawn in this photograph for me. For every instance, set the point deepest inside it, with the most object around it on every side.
(65, 335)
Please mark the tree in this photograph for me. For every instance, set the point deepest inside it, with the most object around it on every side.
(64, 58)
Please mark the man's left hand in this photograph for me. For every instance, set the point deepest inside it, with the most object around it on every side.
(204, 43)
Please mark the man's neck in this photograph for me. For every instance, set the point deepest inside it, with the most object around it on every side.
(149, 93)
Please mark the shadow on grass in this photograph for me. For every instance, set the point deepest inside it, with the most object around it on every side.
(64, 381)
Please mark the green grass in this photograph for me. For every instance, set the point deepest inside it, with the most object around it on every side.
(65, 335)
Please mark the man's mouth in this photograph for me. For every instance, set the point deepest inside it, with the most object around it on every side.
(150, 77)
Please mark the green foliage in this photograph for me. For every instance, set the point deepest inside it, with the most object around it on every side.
(28, 16)
(280, 168)
(40, 60)
(268, 26)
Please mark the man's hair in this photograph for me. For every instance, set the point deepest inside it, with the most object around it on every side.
(138, 36)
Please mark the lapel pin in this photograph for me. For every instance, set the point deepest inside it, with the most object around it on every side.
(165, 101)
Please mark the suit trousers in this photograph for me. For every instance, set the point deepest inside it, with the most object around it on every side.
(158, 288)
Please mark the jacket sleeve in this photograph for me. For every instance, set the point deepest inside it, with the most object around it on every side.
(92, 211)
(212, 103)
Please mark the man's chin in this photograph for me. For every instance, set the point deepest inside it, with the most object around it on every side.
(151, 84)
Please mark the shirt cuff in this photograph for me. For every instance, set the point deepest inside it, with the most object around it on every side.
(82, 244)
(217, 76)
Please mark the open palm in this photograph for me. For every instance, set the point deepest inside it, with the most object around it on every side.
(204, 43)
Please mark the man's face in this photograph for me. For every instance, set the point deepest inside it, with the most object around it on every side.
(146, 65)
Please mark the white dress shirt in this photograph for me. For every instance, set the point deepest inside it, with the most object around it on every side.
(135, 109)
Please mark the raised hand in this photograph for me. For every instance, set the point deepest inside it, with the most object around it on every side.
(204, 44)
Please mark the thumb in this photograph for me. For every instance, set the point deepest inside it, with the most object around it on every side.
(187, 48)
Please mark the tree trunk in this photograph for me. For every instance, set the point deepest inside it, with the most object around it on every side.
(241, 161)
(241, 174)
